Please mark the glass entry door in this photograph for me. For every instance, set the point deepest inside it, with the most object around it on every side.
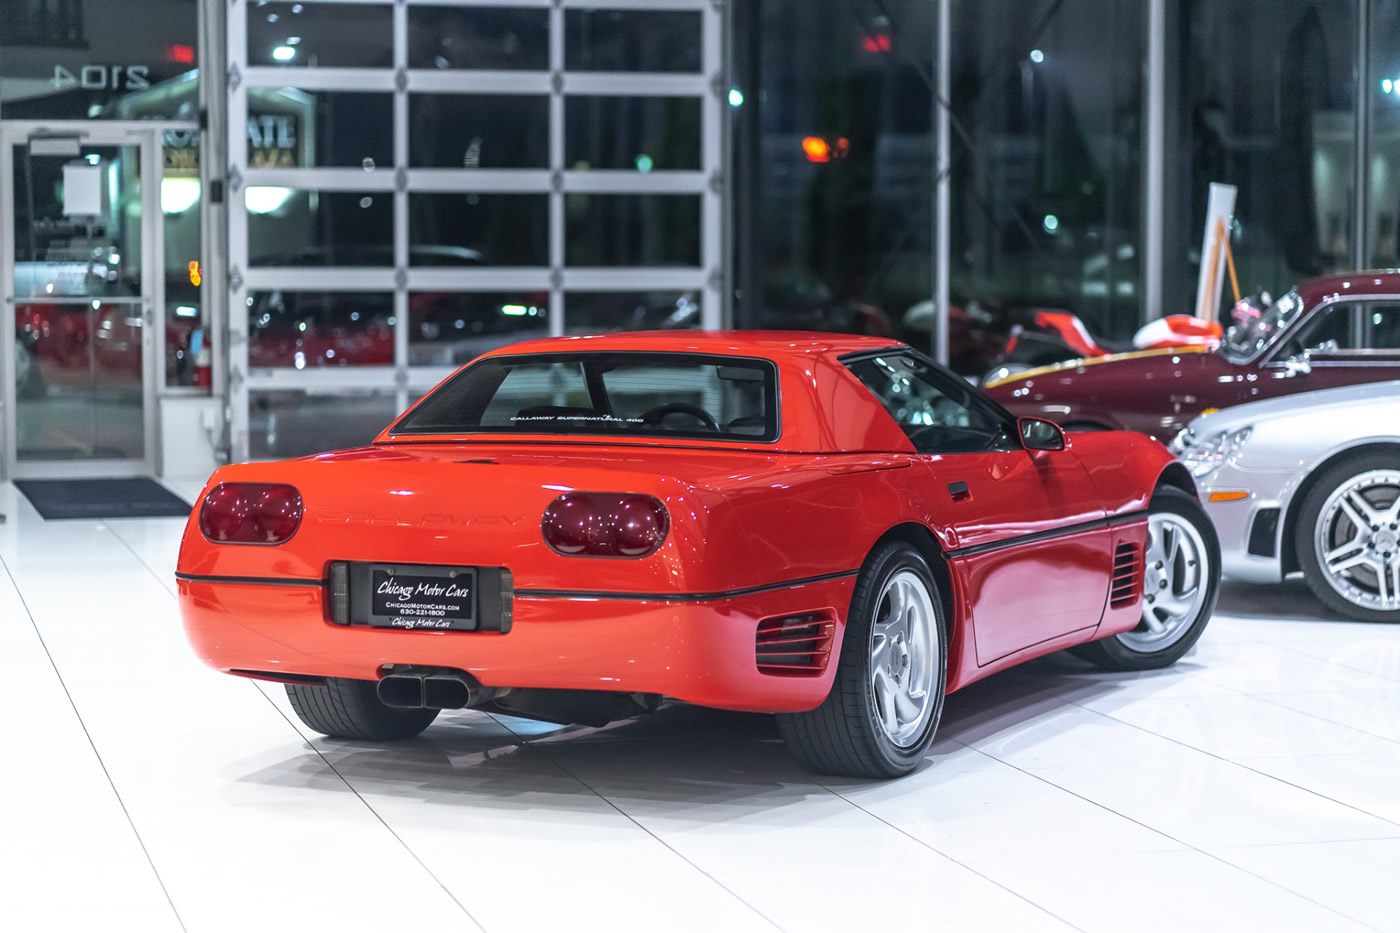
(79, 261)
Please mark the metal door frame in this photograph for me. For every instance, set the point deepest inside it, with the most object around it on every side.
(145, 136)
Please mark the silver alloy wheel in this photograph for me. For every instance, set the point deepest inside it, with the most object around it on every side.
(1175, 577)
(903, 656)
(1358, 540)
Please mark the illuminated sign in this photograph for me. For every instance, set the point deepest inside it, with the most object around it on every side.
(273, 140)
(818, 149)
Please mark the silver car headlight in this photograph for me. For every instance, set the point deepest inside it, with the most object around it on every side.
(1204, 455)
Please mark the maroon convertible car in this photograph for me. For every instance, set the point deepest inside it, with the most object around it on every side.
(1334, 331)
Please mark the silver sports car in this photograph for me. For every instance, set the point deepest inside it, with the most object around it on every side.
(1307, 483)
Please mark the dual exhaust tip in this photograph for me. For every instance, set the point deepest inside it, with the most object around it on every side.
(431, 688)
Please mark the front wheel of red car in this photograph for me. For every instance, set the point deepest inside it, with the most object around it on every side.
(1181, 581)
(351, 709)
(884, 706)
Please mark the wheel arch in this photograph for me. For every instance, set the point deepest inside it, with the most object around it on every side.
(1177, 476)
(1288, 551)
(923, 540)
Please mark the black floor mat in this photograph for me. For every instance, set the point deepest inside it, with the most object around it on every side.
(102, 498)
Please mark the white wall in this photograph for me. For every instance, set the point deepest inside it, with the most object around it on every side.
(189, 430)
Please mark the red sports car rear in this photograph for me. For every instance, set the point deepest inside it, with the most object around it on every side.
(831, 529)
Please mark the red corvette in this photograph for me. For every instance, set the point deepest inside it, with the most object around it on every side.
(828, 528)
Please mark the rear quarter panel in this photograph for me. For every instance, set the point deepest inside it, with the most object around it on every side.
(826, 515)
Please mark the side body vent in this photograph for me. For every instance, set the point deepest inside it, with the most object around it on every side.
(1127, 576)
(795, 645)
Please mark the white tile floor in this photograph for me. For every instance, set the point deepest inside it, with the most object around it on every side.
(1254, 787)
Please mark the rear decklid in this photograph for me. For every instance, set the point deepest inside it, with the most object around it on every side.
(480, 505)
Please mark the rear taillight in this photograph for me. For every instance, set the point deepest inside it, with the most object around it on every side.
(605, 524)
(250, 513)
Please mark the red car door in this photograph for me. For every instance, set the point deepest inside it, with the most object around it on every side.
(1032, 550)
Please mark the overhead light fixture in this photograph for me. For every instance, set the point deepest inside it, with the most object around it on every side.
(1037, 56)
(178, 195)
(736, 97)
(283, 53)
(264, 199)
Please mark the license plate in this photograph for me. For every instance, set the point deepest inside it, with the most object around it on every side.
(433, 599)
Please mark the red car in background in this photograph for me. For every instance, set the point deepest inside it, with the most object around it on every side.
(56, 344)
(1333, 331)
(830, 528)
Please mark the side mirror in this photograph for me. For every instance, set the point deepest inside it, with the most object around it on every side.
(1038, 434)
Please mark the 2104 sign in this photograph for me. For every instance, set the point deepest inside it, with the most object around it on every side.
(103, 77)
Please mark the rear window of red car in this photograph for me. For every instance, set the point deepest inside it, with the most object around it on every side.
(653, 395)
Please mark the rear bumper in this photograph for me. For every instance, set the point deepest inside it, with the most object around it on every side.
(700, 651)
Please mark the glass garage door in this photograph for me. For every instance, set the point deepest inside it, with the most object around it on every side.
(414, 184)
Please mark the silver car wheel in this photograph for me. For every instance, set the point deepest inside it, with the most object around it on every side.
(903, 655)
(1175, 573)
(1358, 540)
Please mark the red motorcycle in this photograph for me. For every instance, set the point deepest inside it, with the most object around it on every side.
(1059, 337)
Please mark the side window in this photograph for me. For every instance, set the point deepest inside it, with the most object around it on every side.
(939, 413)
(1383, 326)
(1349, 327)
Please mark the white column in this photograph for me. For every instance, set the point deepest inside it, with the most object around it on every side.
(1154, 159)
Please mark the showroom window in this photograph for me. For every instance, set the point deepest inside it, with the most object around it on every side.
(1046, 184)
(833, 142)
(1276, 117)
(425, 181)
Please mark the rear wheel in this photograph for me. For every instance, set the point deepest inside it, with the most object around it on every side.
(1348, 538)
(351, 709)
(1181, 580)
(887, 697)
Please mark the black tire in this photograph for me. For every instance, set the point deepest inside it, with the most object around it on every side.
(1112, 653)
(843, 736)
(350, 709)
(1304, 540)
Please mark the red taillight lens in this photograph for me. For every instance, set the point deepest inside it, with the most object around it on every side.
(605, 524)
(250, 513)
